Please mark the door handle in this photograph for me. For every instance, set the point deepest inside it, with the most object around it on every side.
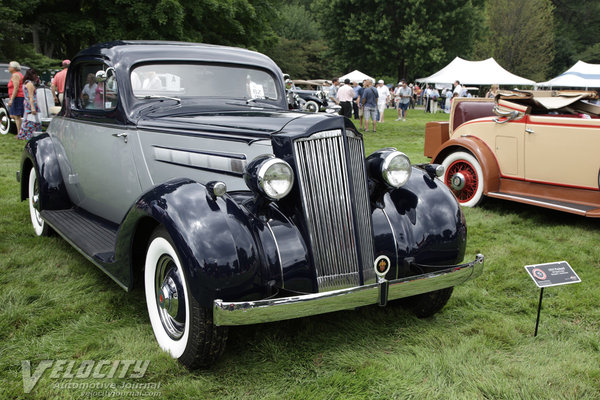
(122, 134)
(529, 130)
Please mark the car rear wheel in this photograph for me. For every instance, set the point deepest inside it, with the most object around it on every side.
(40, 226)
(311, 106)
(463, 174)
(5, 122)
(181, 326)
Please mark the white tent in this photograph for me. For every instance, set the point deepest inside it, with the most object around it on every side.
(581, 74)
(357, 76)
(486, 72)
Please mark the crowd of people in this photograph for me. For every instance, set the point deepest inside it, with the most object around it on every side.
(366, 101)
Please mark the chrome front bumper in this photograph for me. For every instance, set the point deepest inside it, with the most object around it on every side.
(260, 311)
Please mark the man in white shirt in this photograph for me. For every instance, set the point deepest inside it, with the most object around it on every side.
(345, 96)
(382, 100)
(427, 93)
(458, 88)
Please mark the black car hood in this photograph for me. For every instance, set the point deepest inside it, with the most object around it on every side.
(255, 124)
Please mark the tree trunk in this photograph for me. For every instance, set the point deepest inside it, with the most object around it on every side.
(35, 33)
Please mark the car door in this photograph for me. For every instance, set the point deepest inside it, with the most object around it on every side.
(96, 145)
(562, 150)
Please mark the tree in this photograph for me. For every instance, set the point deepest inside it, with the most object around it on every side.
(61, 28)
(402, 38)
(576, 32)
(520, 36)
(300, 49)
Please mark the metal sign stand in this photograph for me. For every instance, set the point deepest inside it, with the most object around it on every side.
(537, 322)
(550, 274)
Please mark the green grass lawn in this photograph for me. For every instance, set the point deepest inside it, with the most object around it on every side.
(55, 305)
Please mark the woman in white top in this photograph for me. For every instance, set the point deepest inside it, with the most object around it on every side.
(89, 91)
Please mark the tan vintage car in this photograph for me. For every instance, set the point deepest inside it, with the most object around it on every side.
(533, 147)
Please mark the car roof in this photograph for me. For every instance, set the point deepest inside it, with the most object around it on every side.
(135, 51)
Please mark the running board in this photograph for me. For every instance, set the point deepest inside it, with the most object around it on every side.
(95, 238)
(574, 208)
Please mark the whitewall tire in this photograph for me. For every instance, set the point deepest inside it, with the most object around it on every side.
(40, 226)
(181, 326)
(5, 121)
(464, 176)
(311, 106)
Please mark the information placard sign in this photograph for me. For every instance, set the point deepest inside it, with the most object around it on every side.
(552, 274)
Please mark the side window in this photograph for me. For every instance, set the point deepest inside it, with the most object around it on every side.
(96, 91)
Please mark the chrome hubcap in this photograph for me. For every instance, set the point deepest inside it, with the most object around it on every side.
(4, 123)
(35, 201)
(170, 297)
(458, 181)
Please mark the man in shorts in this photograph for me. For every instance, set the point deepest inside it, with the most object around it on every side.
(369, 102)
(403, 94)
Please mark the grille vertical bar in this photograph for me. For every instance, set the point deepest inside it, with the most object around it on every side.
(325, 180)
(362, 207)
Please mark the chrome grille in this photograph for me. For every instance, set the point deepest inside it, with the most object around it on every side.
(330, 187)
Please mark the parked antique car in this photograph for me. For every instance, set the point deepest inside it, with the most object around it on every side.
(187, 175)
(313, 97)
(533, 147)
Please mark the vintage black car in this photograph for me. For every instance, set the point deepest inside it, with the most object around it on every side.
(177, 167)
(312, 96)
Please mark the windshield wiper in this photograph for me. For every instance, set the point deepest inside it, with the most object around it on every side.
(163, 97)
(248, 101)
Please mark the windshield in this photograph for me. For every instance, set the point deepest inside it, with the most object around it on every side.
(202, 80)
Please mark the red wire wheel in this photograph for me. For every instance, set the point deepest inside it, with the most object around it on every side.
(464, 177)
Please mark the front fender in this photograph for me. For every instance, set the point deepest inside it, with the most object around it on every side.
(39, 153)
(483, 154)
(212, 237)
(421, 220)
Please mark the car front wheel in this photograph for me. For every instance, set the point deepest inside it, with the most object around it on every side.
(181, 326)
(5, 122)
(40, 226)
(426, 304)
(463, 174)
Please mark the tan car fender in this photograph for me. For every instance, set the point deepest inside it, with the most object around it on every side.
(483, 154)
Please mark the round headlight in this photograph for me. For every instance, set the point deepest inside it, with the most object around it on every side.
(275, 178)
(396, 169)
(270, 176)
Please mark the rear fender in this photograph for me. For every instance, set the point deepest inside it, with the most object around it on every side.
(39, 153)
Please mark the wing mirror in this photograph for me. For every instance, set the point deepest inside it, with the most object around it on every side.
(102, 76)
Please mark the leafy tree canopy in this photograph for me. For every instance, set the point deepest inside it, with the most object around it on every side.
(520, 36)
(403, 38)
(320, 38)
